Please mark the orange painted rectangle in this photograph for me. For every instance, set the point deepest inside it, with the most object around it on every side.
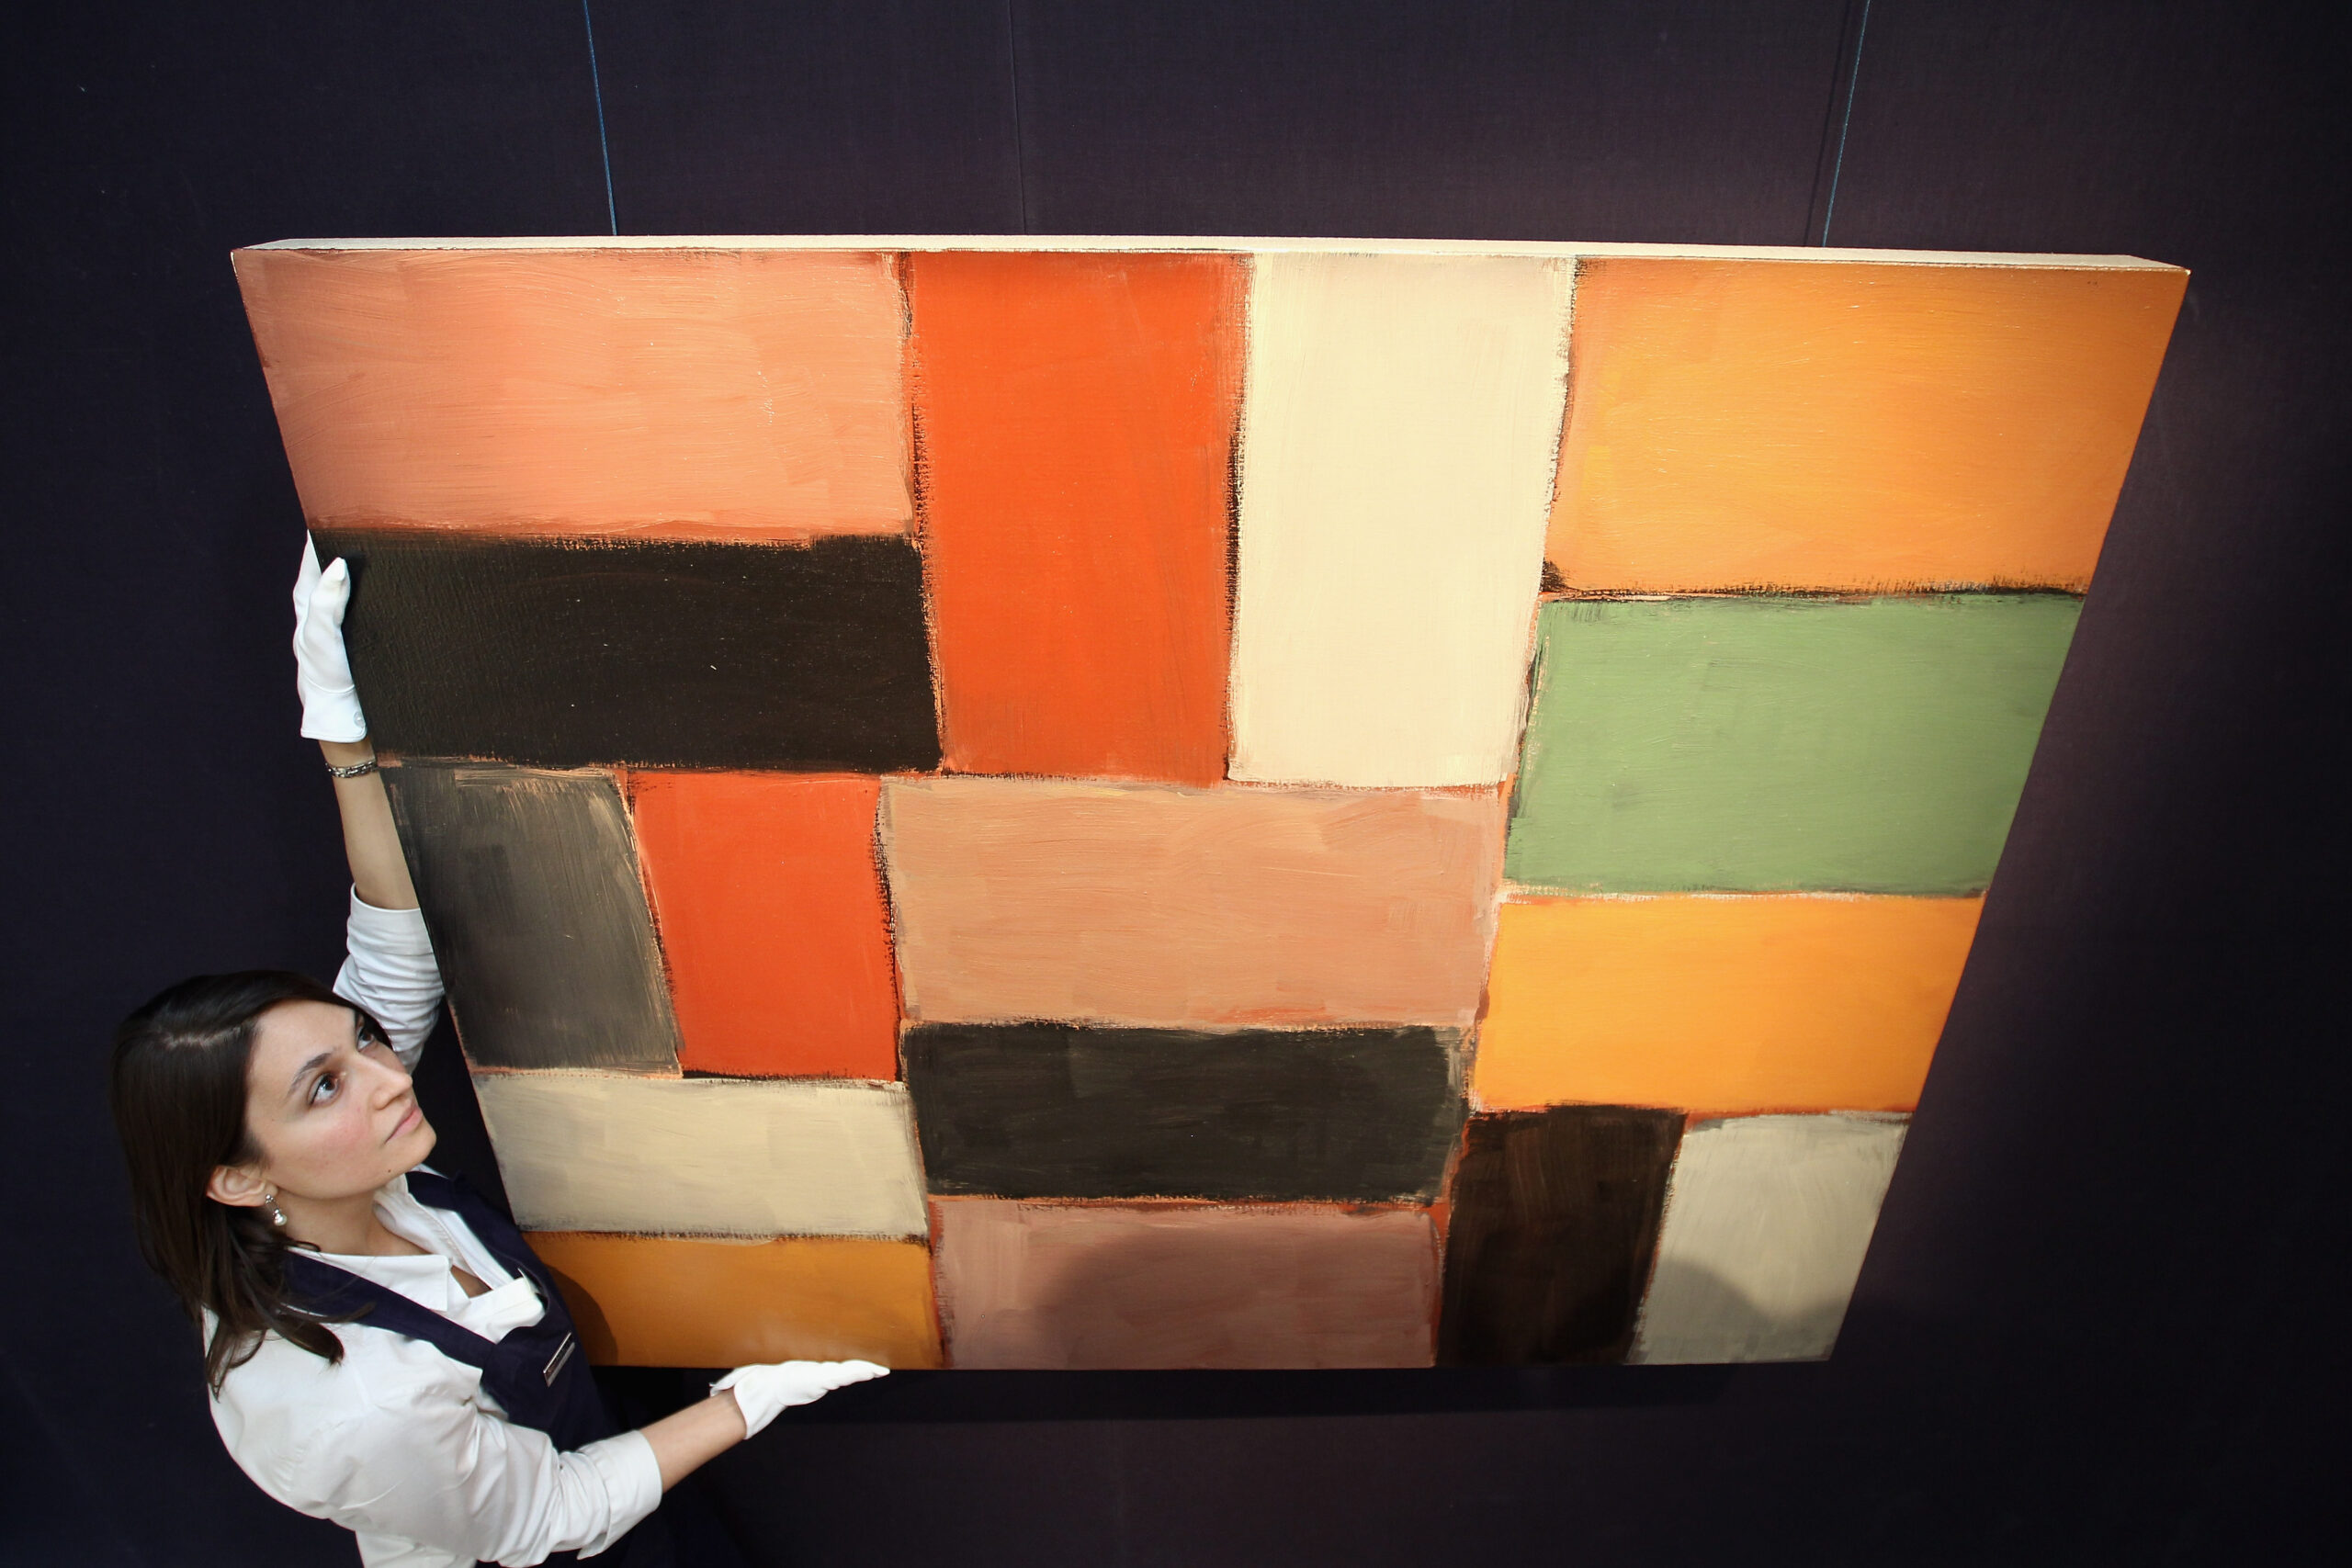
(1850, 425)
(1719, 1006)
(770, 910)
(670, 1301)
(756, 395)
(1076, 417)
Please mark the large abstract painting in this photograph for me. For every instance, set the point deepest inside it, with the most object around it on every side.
(1172, 803)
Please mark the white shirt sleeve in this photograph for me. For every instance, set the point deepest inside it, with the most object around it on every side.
(446, 1474)
(390, 971)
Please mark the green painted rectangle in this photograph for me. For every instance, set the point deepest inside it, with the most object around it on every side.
(1764, 744)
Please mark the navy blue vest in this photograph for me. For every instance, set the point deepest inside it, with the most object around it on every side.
(536, 1373)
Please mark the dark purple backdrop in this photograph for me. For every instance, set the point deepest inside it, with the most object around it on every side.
(2100, 1323)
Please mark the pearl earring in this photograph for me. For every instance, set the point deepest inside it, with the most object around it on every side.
(276, 1214)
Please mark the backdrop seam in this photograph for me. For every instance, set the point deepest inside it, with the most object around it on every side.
(604, 146)
(1853, 80)
(1013, 68)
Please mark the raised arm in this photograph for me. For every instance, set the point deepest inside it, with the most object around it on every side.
(331, 716)
(390, 970)
(379, 871)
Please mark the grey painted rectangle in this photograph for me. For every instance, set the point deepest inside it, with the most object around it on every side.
(1767, 1221)
(529, 883)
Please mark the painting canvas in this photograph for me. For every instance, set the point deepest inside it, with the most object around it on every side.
(1015, 803)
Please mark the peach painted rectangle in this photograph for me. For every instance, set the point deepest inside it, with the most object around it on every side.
(1019, 898)
(755, 395)
(1722, 1005)
(1093, 1285)
(642, 1301)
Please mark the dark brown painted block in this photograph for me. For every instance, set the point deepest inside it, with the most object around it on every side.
(530, 888)
(663, 652)
(1057, 1110)
(1555, 1222)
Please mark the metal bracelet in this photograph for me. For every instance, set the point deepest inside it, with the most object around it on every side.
(356, 770)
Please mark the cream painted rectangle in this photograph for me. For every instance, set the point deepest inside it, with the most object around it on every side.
(1401, 426)
(1767, 1220)
(704, 1156)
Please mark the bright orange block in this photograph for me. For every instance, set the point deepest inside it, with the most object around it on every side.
(1076, 415)
(770, 910)
(1720, 1006)
(1854, 426)
(668, 1301)
(702, 394)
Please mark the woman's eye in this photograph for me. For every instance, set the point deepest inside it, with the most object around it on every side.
(324, 1090)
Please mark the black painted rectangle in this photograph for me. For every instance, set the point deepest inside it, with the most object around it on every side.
(1060, 1110)
(1555, 1221)
(530, 889)
(660, 652)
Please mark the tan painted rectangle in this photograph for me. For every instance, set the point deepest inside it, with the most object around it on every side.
(704, 1156)
(1019, 898)
(709, 1301)
(1165, 1285)
(719, 393)
(1399, 431)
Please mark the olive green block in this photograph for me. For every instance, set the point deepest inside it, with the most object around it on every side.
(1764, 744)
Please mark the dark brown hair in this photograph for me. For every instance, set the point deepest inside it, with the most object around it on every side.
(178, 1093)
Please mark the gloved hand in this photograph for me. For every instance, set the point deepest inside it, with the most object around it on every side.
(322, 669)
(764, 1393)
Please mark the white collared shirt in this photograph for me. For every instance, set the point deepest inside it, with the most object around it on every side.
(389, 969)
(398, 1442)
(402, 1445)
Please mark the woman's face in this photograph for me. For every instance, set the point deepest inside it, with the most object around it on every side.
(333, 1111)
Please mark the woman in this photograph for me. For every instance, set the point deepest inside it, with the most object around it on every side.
(383, 1349)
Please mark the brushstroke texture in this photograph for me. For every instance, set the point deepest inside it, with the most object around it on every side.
(1077, 418)
(1144, 906)
(1721, 1006)
(529, 886)
(1555, 1214)
(670, 1301)
(672, 653)
(1767, 1221)
(703, 1156)
(1071, 1286)
(699, 393)
(1758, 745)
(1050, 1109)
(1854, 426)
(772, 921)
(1401, 423)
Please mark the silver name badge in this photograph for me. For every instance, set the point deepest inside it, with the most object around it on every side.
(562, 1354)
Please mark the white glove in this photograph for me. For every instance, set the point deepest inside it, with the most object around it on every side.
(322, 669)
(764, 1393)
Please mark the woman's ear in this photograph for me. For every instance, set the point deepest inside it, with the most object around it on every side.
(237, 1187)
